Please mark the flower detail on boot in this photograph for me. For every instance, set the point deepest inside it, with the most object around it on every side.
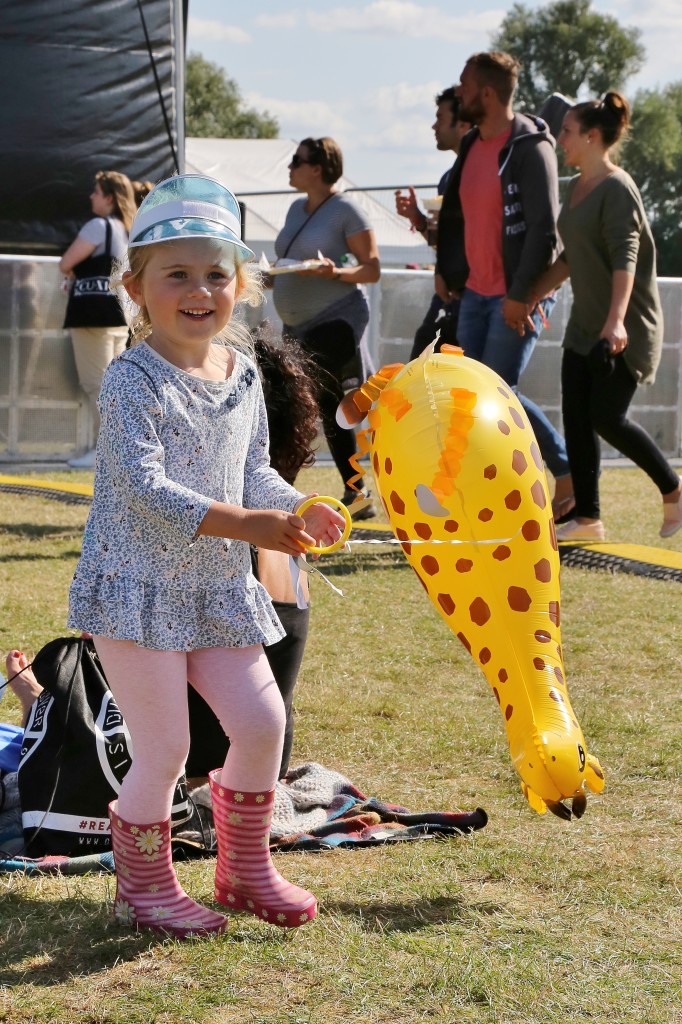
(149, 843)
(246, 878)
(148, 893)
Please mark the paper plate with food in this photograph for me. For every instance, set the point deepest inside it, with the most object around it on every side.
(285, 266)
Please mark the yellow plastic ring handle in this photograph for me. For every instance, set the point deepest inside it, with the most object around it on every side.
(344, 512)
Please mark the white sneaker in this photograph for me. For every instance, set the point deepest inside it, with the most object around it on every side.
(672, 517)
(573, 530)
(86, 461)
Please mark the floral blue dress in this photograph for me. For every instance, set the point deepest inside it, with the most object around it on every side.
(169, 445)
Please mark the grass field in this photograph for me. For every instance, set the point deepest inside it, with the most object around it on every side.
(531, 921)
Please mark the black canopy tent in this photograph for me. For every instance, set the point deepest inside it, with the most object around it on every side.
(86, 86)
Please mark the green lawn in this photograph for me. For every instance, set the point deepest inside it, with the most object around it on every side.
(531, 921)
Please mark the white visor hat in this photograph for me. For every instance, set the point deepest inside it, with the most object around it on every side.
(189, 206)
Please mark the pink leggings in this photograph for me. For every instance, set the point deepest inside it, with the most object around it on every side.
(150, 688)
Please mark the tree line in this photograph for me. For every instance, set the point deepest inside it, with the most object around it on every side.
(564, 47)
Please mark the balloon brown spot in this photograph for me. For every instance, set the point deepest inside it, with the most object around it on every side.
(503, 427)
(375, 463)
(519, 599)
(501, 552)
(388, 467)
(503, 675)
(450, 526)
(543, 571)
(464, 565)
(397, 503)
(485, 515)
(531, 529)
(423, 530)
(536, 456)
(559, 674)
(558, 697)
(552, 535)
(513, 500)
(519, 462)
(503, 391)
(542, 636)
(490, 472)
(430, 565)
(446, 603)
(539, 663)
(479, 611)
(508, 712)
(517, 417)
(538, 494)
(484, 656)
(461, 636)
(497, 694)
(554, 612)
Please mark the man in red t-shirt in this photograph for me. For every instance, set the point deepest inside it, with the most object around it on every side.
(497, 234)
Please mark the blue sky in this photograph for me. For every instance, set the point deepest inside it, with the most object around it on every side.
(366, 71)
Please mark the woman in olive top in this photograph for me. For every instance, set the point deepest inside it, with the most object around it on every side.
(614, 334)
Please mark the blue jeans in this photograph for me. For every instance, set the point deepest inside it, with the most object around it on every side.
(483, 334)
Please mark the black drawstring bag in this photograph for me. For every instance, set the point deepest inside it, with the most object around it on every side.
(75, 754)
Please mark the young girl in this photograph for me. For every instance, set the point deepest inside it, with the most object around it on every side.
(183, 485)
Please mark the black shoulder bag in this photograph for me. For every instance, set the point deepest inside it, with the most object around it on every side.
(91, 301)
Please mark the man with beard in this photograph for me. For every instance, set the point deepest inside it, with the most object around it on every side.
(497, 234)
(449, 129)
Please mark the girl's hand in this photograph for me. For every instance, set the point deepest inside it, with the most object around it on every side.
(616, 335)
(277, 531)
(323, 522)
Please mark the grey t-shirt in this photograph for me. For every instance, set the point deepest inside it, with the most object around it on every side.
(300, 299)
(604, 232)
(95, 232)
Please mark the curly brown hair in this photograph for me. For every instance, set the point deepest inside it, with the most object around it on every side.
(290, 393)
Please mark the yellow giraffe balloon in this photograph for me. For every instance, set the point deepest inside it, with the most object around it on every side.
(461, 479)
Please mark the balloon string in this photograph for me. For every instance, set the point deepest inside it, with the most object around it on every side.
(434, 540)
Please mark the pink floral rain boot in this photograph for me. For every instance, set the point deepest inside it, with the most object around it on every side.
(246, 878)
(148, 894)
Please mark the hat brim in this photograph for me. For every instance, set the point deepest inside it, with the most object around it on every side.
(192, 227)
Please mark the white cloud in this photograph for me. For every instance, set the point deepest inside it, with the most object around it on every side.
(287, 20)
(298, 118)
(390, 99)
(216, 32)
(403, 133)
(404, 18)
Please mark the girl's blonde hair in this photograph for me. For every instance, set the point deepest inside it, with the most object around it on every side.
(119, 187)
(236, 332)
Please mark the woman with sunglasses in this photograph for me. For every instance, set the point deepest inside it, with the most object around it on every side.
(324, 307)
(93, 313)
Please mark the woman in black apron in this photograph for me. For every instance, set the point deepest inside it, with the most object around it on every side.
(93, 313)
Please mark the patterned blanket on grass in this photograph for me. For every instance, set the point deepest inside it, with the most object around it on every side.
(319, 809)
(315, 809)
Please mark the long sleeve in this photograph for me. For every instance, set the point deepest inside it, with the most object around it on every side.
(131, 447)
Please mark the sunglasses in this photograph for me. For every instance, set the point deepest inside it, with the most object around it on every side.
(297, 160)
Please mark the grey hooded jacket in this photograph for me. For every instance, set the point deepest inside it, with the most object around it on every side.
(530, 202)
